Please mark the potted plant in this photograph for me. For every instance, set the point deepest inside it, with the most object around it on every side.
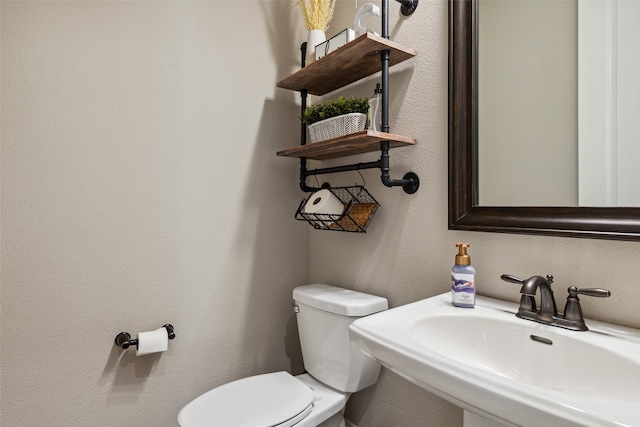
(333, 119)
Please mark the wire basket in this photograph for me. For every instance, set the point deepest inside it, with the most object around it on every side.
(336, 127)
(359, 208)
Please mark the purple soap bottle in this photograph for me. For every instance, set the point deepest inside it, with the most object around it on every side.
(463, 278)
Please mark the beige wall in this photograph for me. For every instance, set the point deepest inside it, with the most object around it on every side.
(114, 217)
(140, 186)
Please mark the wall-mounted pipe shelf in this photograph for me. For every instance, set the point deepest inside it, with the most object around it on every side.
(354, 61)
(356, 143)
(368, 54)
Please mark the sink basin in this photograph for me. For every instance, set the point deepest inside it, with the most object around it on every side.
(509, 370)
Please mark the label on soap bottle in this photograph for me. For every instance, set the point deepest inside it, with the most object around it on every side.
(463, 291)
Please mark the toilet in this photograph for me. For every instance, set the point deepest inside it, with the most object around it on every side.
(335, 368)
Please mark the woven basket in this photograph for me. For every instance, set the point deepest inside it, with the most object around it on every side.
(336, 127)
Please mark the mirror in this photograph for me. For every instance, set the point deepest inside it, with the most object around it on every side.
(465, 212)
(573, 65)
(528, 48)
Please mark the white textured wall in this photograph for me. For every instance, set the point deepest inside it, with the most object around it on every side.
(407, 252)
(140, 186)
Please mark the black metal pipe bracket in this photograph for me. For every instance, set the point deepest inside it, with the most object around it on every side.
(409, 182)
(408, 6)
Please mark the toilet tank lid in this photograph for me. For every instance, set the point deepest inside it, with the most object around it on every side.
(339, 300)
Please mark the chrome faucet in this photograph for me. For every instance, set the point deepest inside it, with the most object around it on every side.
(548, 313)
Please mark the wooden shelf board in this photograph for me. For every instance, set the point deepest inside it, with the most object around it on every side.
(354, 61)
(356, 143)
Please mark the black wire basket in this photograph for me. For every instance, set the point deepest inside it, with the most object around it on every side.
(359, 209)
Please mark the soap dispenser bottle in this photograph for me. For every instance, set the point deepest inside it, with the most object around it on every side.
(375, 109)
(463, 287)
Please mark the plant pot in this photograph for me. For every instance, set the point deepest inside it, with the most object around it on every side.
(336, 127)
(314, 38)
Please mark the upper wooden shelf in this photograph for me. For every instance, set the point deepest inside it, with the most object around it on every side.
(354, 61)
(356, 143)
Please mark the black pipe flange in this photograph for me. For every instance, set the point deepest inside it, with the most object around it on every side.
(408, 6)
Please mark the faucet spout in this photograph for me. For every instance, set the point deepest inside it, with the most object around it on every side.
(548, 310)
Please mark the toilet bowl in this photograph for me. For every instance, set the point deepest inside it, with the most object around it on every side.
(274, 399)
(335, 369)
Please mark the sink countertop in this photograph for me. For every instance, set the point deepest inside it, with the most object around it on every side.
(485, 360)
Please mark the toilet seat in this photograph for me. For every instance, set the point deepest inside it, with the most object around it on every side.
(268, 400)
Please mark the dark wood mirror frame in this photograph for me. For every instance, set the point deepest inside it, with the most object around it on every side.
(464, 211)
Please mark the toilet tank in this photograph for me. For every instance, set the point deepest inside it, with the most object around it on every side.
(324, 314)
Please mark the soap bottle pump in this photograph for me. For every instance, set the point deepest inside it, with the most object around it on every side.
(375, 109)
(463, 287)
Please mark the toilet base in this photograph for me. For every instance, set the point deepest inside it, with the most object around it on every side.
(335, 421)
(328, 406)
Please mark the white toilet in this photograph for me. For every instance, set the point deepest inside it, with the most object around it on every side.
(335, 368)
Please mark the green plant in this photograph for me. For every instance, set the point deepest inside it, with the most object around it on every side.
(329, 109)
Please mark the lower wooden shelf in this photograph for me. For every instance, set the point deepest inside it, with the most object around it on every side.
(356, 143)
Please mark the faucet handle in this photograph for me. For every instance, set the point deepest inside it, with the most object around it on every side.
(592, 292)
(573, 311)
(512, 279)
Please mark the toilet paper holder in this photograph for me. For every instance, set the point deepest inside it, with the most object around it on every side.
(124, 340)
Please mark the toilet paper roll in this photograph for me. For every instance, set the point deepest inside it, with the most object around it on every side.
(323, 202)
(321, 205)
(152, 342)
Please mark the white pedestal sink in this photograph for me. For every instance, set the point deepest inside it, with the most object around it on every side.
(508, 371)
